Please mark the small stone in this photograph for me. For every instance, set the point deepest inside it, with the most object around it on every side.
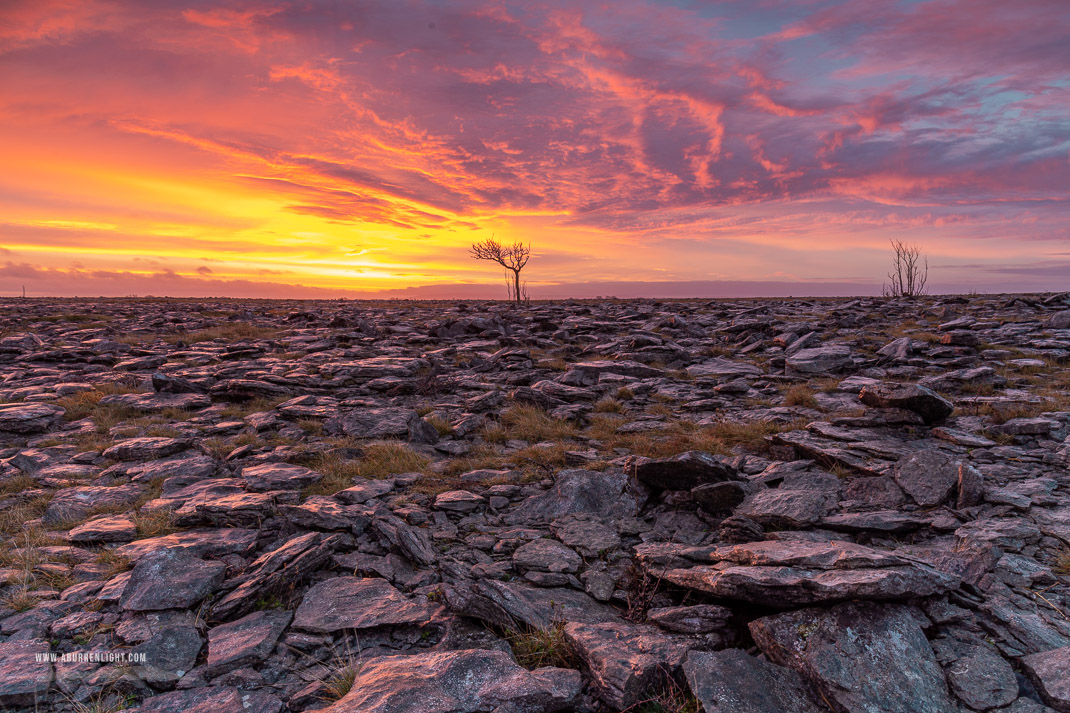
(460, 501)
(545, 555)
(928, 477)
(1050, 671)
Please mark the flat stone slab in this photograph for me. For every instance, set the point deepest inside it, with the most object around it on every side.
(216, 699)
(170, 579)
(469, 681)
(246, 641)
(278, 476)
(358, 603)
(720, 367)
(820, 360)
(793, 573)
(24, 680)
(146, 448)
(110, 528)
(28, 418)
(204, 542)
(77, 503)
(156, 402)
(546, 555)
(604, 495)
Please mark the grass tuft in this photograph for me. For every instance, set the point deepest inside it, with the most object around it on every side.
(529, 423)
(800, 395)
(534, 648)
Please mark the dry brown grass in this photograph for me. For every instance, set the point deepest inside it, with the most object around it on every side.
(115, 562)
(529, 423)
(13, 519)
(753, 435)
(672, 438)
(377, 460)
(482, 455)
(441, 425)
(541, 458)
(535, 648)
(87, 403)
(17, 484)
(608, 404)
(230, 332)
(1062, 564)
(236, 412)
(390, 458)
(20, 600)
(154, 524)
(800, 395)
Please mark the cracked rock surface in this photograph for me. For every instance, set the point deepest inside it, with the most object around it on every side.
(730, 506)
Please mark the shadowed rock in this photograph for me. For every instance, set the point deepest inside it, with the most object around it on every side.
(730, 681)
(684, 471)
(923, 401)
(870, 658)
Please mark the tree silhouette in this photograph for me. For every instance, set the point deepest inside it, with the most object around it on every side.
(512, 257)
(910, 271)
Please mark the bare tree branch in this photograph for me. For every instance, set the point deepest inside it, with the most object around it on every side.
(512, 257)
(910, 271)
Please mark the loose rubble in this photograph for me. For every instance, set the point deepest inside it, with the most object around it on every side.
(730, 506)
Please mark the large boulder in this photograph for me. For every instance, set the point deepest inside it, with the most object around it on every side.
(862, 657)
(731, 681)
(624, 660)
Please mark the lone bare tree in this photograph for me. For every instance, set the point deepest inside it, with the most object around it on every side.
(512, 257)
(910, 271)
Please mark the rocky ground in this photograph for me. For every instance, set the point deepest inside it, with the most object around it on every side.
(735, 506)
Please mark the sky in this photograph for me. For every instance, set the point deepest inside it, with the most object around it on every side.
(337, 148)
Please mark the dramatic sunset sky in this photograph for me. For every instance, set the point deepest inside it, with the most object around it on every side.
(318, 148)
